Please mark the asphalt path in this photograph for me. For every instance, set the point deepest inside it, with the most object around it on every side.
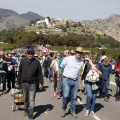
(49, 108)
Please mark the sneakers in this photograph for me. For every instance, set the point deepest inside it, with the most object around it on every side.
(100, 96)
(58, 96)
(74, 115)
(92, 113)
(50, 81)
(86, 113)
(117, 97)
(31, 118)
(44, 78)
(55, 94)
(26, 113)
(63, 113)
(3, 92)
(106, 99)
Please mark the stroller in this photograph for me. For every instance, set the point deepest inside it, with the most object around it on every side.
(17, 95)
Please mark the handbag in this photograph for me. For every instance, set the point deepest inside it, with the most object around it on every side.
(92, 76)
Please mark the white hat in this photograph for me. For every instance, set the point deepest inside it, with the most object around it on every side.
(35, 55)
(72, 52)
(87, 59)
(103, 57)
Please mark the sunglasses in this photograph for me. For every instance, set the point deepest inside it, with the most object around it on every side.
(30, 53)
(79, 52)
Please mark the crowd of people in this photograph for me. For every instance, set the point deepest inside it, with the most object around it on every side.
(64, 69)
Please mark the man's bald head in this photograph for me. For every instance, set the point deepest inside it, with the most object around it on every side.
(66, 53)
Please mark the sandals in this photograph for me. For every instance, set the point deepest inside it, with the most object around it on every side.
(4, 92)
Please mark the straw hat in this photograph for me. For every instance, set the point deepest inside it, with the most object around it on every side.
(79, 49)
(13, 52)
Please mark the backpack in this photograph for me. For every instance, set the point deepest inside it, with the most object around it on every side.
(92, 76)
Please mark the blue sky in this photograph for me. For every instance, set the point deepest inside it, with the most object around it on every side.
(74, 9)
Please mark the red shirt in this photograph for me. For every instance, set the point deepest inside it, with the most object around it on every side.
(117, 67)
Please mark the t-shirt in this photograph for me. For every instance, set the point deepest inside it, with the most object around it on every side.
(3, 66)
(10, 67)
(72, 67)
(55, 67)
(62, 70)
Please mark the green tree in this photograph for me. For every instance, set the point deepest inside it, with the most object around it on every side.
(67, 24)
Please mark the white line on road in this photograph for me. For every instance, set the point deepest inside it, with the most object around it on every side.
(94, 116)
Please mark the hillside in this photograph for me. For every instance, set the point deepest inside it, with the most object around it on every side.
(110, 26)
(11, 19)
(5, 13)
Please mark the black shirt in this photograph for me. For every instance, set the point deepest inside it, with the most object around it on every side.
(30, 71)
(4, 66)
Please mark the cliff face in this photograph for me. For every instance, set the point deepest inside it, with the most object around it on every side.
(110, 26)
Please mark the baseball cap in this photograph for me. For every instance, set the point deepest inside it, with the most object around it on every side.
(30, 51)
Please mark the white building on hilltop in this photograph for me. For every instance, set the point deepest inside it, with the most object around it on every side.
(44, 23)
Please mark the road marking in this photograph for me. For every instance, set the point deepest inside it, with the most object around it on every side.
(94, 116)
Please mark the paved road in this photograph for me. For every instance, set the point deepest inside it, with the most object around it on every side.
(48, 108)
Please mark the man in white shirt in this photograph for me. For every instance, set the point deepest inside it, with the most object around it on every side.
(72, 66)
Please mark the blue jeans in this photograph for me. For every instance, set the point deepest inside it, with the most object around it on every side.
(70, 89)
(49, 72)
(61, 81)
(29, 92)
(105, 85)
(56, 84)
(45, 71)
(11, 78)
(91, 96)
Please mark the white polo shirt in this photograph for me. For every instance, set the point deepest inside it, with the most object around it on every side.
(72, 67)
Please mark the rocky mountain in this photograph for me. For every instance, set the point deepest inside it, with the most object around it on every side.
(5, 13)
(31, 16)
(11, 19)
(109, 26)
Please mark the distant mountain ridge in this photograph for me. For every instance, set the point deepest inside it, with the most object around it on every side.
(31, 16)
(11, 19)
(109, 26)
